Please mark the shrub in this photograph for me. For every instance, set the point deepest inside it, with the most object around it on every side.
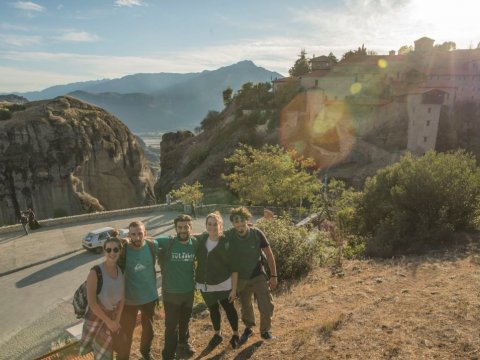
(418, 201)
(296, 250)
(5, 114)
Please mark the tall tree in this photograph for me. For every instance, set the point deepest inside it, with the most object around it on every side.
(271, 176)
(355, 54)
(333, 58)
(405, 49)
(227, 96)
(446, 46)
(189, 194)
(301, 66)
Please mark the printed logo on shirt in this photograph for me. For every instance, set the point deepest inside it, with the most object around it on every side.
(183, 256)
(139, 267)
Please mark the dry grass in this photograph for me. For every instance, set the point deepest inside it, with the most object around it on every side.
(418, 307)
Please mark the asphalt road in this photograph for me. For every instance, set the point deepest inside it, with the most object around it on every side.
(35, 305)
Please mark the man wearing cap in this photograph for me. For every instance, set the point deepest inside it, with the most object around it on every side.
(247, 245)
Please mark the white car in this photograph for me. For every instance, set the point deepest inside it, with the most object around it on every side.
(95, 239)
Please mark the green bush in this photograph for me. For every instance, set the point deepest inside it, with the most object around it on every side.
(5, 114)
(418, 202)
(296, 250)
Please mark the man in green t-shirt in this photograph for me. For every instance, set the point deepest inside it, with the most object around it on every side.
(247, 244)
(138, 263)
(178, 255)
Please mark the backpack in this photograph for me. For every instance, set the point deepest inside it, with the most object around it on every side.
(122, 260)
(263, 257)
(79, 301)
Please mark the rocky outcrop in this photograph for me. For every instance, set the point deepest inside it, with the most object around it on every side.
(67, 157)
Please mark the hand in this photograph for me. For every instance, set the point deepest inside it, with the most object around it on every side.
(113, 325)
(272, 283)
(232, 296)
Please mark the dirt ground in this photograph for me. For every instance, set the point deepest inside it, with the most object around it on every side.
(413, 307)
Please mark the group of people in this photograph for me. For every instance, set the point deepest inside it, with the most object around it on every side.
(28, 220)
(220, 264)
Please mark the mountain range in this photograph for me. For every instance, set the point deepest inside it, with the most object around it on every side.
(161, 102)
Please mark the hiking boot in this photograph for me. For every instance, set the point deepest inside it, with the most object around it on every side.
(215, 341)
(186, 348)
(234, 341)
(246, 334)
(267, 335)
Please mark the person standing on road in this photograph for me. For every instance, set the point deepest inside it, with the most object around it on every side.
(177, 257)
(247, 244)
(215, 278)
(102, 319)
(24, 222)
(138, 262)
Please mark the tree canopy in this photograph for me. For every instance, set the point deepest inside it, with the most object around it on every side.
(189, 194)
(301, 66)
(353, 54)
(271, 176)
(446, 46)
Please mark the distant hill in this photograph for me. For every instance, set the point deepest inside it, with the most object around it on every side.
(162, 102)
(12, 98)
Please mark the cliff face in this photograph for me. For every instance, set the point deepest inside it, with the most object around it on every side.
(66, 157)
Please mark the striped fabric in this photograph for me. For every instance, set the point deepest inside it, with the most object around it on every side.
(97, 337)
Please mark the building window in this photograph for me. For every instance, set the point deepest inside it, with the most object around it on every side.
(428, 122)
(424, 139)
(429, 110)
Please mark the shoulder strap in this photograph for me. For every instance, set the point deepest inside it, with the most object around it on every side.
(152, 252)
(99, 278)
(122, 259)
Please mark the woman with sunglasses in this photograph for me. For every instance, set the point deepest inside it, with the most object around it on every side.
(102, 319)
(215, 279)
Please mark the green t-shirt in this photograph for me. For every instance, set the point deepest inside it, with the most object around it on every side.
(178, 269)
(246, 252)
(140, 282)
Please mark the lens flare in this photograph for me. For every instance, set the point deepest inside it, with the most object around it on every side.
(317, 128)
(355, 88)
(382, 63)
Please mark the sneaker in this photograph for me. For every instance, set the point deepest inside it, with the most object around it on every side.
(186, 348)
(267, 335)
(215, 341)
(234, 341)
(246, 334)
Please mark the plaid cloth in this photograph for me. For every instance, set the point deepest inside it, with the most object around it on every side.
(97, 337)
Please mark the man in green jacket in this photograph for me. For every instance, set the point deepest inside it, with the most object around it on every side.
(247, 244)
(177, 258)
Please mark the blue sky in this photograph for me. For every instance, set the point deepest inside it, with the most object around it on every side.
(50, 42)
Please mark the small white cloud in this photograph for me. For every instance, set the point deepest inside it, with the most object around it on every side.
(129, 3)
(78, 36)
(29, 6)
(19, 40)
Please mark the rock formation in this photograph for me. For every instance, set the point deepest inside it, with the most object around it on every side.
(66, 157)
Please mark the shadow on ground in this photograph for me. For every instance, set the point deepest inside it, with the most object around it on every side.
(67, 264)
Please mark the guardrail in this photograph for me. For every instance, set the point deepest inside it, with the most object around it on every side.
(200, 210)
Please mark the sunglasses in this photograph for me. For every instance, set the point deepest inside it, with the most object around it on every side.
(238, 218)
(115, 250)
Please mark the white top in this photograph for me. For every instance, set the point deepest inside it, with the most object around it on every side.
(112, 289)
(223, 286)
